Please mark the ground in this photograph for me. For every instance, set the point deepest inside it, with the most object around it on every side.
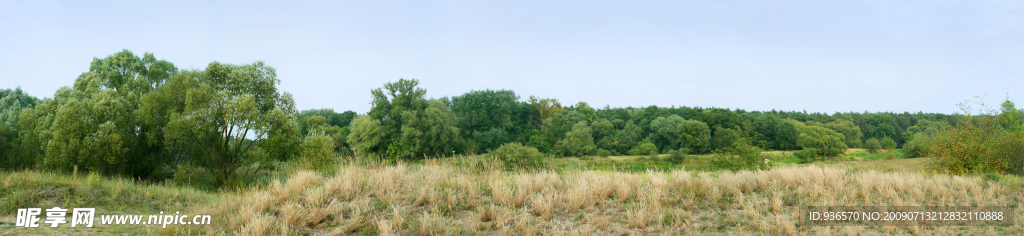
(593, 195)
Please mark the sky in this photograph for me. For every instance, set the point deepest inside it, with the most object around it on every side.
(819, 56)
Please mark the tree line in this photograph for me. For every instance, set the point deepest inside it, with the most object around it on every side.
(143, 117)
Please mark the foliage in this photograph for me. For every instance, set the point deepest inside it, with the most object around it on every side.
(331, 118)
(977, 144)
(516, 156)
(788, 133)
(872, 145)
(490, 139)
(546, 108)
(851, 133)
(317, 152)
(805, 156)
(887, 143)
(227, 114)
(644, 147)
(676, 156)
(741, 156)
(404, 124)
(822, 142)
(98, 124)
(602, 128)
(665, 132)
(579, 141)
(695, 137)
(12, 102)
(603, 153)
(726, 138)
(497, 116)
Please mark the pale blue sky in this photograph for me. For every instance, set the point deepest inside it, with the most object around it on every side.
(822, 56)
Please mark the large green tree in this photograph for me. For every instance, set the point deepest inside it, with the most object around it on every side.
(665, 132)
(490, 118)
(97, 124)
(12, 102)
(227, 114)
(579, 141)
(821, 141)
(695, 136)
(405, 124)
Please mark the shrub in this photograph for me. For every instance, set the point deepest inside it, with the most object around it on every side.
(977, 145)
(317, 152)
(676, 156)
(740, 156)
(645, 147)
(918, 147)
(517, 156)
(822, 141)
(805, 156)
(189, 175)
(603, 153)
(872, 145)
(887, 143)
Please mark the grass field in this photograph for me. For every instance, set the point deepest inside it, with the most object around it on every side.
(580, 196)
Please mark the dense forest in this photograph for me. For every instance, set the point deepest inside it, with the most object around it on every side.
(146, 118)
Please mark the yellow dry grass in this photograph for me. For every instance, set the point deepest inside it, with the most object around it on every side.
(441, 199)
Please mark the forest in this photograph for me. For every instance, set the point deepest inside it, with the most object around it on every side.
(145, 118)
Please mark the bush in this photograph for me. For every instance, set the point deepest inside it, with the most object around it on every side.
(918, 147)
(805, 156)
(977, 145)
(603, 153)
(872, 145)
(676, 156)
(887, 143)
(517, 156)
(317, 152)
(645, 147)
(740, 156)
(189, 175)
(822, 141)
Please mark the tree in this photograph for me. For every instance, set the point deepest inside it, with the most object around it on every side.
(979, 144)
(1011, 118)
(602, 128)
(887, 143)
(405, 124)
(631, 134)
(872, 145)
(546, 108)
(98, 124)
(489, 113)
(665, 132)
(821, 141)
(225, 117)
(726, 137)
(850, 132)
(584, 109)
(579, 141)
(490, 139)
(12, 102)
(788, 133)
(695, 136)
(367, 135)
(644, 147)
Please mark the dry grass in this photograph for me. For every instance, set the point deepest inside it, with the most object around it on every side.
(440, 199)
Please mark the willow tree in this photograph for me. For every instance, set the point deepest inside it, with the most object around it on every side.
(94, 125)
(227, 113)
(403, 123)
